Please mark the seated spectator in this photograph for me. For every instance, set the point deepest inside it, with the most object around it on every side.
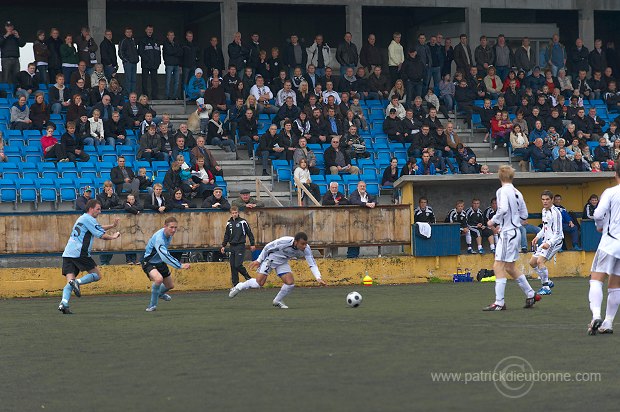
(179, 176)
(216, 200)
(59, 96)
(3, 157)
(463, 154)
(555, 152)
(302, 152)
(167, 138)
(177, 200)
(590, 207)
(359, 113)
(410, 126)
(179, 149)
(360, 197)
(245, 201)
(108, 199)
(334, 123)
(441, 165)
(131, 206)
(210, 162)
(333, 197)
(446, 92)
(432, 121)
(602, 152)
(72, 145)
(378, 84)
(27, 81)
(500, 129)
(145, 182)
(541, 156)
(39, 112)
(338, 161)
(520, 146)
(76, 109)
(96, 132)
(117, 96)
(203, 177)
(156, 201)
(423, 213)
(563, 163)
(425, 166)
(581, 165)
(393, 127)
(329, 91)
(82, 91)
(390, 174)
(410, 167)
(464, 97)
(124, 178)
(612, 133)
(354, 144)
(20, 115)
(287, 139)
(568, 224)
(187, 135)
(82, 127)
(421, 141)
(218, 136)
(287, 111)
(471, 167)
(51, 147)
(196, 86)
(302, 176)
(151, 146)
(96, 94)
(132, 112)
(98, 75)
(114, 130)
(235, 114)
(493, 83)
(248, 131)
(263, 95)
(452, 140)
(285, 92)
(269, 146)
(105, 108)
(215, 96)
(319, 128)
(80, 202)
(397, 106)
(144, 124)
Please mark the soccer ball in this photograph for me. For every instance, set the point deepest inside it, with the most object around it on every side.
(354, 299)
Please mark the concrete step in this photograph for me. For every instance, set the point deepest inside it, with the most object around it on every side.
(221, 154)
(238, 167)
(171, 107)
(238, 183)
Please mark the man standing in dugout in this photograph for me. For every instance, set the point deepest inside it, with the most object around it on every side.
(236, 231)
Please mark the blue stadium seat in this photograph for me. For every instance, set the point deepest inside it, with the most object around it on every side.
(322, 188)
(126, 150)
(106, 150)
(333, 178)
(373, 188)
(284, 175)
(8, 195)
(369, 176)
(48, 194)
(350, 179)
(105, 167)
(67, 194)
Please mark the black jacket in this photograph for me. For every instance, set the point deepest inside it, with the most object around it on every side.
(289, 56)
(127, 50)
(238, 55)
(236, 232)
(247, 127)
(108, 53)
(54, 60)
(328, 199)
(330, 158)
(211, 200)
(190, 54)
(112, 202)
(9, 46)
(114, 129)
(149, 50)
(25, 81)
(578, 59)
(116, 176)
(267, 142)
(346, 54)
(173, 53)
(70, 144)
(414, 70)
(214, 59)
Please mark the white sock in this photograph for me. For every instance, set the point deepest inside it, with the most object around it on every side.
(613, 301)
(495, 239)
(492, 247)
(479, 247)
(595, 296)
(500, 288)
(284, 290)
(543, 273)
(248, 284)
(468, 239)
(525, 286)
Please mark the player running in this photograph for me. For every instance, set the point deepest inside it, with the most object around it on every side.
(552, 237)
(511, 211)
(156, 260)
(606, 261)
(76, 257)
(276, 255)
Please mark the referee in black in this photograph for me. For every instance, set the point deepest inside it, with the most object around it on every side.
(237, 229)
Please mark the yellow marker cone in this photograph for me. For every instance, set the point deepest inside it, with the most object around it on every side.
(367, 280)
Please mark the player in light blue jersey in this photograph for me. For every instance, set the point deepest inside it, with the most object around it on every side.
(156, 260)
(76, 257)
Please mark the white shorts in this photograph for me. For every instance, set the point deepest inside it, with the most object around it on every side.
(508, 246)
(268, 265)
(604, 263)
(548, 253)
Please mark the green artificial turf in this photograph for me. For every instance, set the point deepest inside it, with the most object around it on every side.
(206, 352)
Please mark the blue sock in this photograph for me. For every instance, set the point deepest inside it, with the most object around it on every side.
(91, 277)
(66, 294)
(163, 289)
(154, 294)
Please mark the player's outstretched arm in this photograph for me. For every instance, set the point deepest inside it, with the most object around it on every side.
(112, 236)
(113, 225)
(185, 266)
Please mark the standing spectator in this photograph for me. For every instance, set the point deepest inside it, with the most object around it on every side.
(447, 55)
(149, 51)
(319, 55)
(424, 53)
(109, 59)
(213, 56)
(190, 57)
(556, 55)
(360, 197)
(295, 55)
(235, 233)
(577, 59)
(253, 50)
(173, 55)
(462, 55)
(436, 60)
(10, 43)
(503, 57)
(87, 49)
(597, 57)
(590, 207)
(525, 58)
(396, 57)
(26, 81)
(238, 53)
(346, 54)
(124, 178)
(275, 65)
(69, 58)
(41, 56)
(53, 43)
(128, 52)
(484, 55)
(370, 54)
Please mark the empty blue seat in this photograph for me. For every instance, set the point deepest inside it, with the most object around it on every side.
(67, 194)
(8, 194)
(284, 174)
(48, 194)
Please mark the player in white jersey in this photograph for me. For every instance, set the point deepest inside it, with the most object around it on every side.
(552, 239)
(606, 261)
(511, 211)
(275, 256)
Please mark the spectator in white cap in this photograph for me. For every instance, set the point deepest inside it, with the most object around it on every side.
(196, 86)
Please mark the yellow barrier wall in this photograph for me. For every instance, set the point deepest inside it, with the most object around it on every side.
(212, 276)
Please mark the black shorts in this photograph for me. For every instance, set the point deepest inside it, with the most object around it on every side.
(77, 265)
(162, 268)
